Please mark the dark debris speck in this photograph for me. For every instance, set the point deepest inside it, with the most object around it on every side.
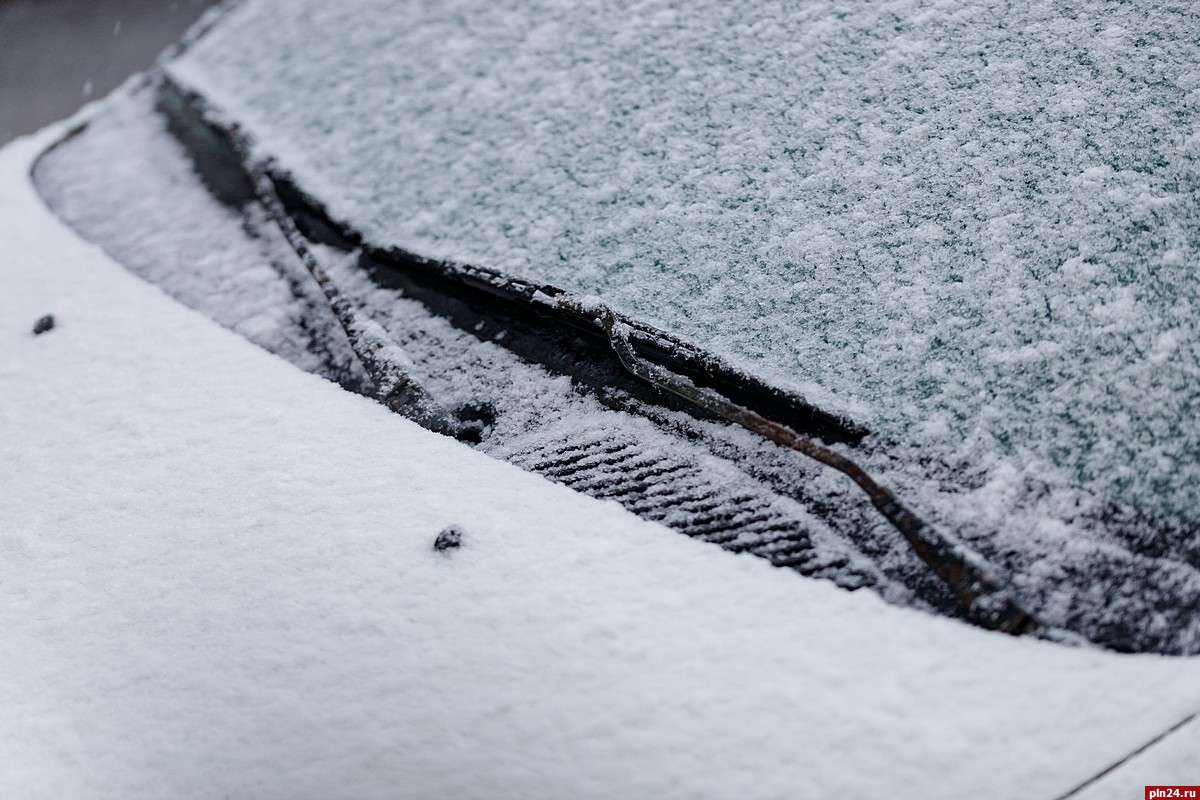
(43, 324)
(449, 539)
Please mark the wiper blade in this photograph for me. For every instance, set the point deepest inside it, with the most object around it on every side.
(224, 171)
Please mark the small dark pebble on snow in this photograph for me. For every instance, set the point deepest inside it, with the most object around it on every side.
(448, 539)
(43, 324)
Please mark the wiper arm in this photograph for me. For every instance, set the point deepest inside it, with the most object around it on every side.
(966, 574)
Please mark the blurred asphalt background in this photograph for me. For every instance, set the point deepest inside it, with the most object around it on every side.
(55, 55)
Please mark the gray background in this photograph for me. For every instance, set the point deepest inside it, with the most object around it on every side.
(56, 55)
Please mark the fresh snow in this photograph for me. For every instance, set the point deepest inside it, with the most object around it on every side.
(217, 578)
(972, 225)
(128, 185)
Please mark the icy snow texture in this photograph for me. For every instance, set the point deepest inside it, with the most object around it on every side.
(218, 579)
(979, 222)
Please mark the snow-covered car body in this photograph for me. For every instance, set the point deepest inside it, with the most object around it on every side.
(468, 144)
(220, 577)
(1020, 383)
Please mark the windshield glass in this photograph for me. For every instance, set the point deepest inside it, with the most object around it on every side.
(975, 227)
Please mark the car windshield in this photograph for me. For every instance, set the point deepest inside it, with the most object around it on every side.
(971, 227)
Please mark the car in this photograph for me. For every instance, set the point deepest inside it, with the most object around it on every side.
(972, 333)
(814, 286)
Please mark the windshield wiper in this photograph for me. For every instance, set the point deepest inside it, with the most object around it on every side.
(704, 382)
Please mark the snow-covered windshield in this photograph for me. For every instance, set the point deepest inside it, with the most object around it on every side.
(974, 225)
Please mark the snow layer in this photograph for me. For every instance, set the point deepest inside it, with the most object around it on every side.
(128, 185)
(219, 579)
(974, 222)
